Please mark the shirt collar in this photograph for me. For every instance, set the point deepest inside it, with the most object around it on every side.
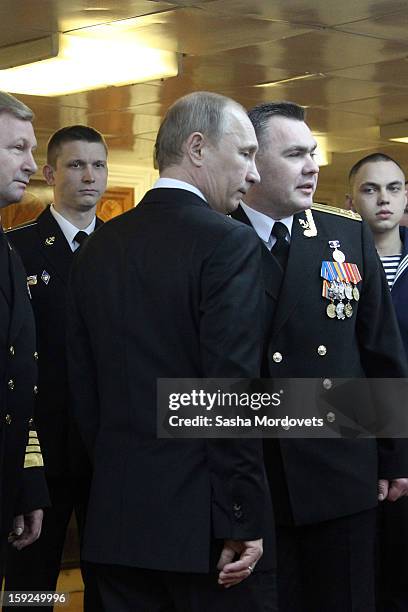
(170, 183)
(263, 224)
(69, 230)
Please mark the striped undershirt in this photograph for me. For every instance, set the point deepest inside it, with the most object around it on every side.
(390, 264)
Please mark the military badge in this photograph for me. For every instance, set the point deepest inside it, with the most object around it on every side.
(45, 277)
(309, 226)
(50, 240)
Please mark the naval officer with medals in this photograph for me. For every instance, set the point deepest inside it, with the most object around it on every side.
(329, 316)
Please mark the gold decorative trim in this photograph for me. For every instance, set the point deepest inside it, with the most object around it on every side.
(334, 210)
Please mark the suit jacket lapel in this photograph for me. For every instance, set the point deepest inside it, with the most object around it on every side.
(54, 245)
(298, 271)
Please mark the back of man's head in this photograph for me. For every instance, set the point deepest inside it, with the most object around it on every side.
(200, 111)
(261, 114)
(370, 159)
(71, 133)
(10, 104)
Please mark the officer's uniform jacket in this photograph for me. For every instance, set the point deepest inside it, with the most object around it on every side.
(22, 482)
(329, 478)
(47, 258)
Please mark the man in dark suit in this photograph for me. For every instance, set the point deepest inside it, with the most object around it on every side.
(378, 193)
(22, 484)
(77, 171)
(324, 491)
(173, 289)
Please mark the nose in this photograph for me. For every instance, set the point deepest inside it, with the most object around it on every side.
(253, 174)
(382, 196)
(30, 167)
(88, 176)
(311, 166)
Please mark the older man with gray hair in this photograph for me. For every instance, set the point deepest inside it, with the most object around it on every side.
(22, 485)
(173, 289)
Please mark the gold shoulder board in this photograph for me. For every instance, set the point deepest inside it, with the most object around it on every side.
(334, 210)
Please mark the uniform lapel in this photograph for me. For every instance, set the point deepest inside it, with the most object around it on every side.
(301, 271)
(19, 295)
(271, 269)
(403, 265)
(54, 245)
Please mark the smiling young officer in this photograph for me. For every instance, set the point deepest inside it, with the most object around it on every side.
(77, 171)
(378, 193)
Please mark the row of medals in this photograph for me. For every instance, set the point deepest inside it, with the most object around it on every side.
(339, 290)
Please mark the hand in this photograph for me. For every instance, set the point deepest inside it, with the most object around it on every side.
(26, 529)
(392, 489)
(232, 572)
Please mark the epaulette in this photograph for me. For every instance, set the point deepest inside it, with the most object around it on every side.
(335, 210)
(21, 226)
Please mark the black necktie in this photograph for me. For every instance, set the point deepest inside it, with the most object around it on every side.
(281, 247)
(80, 238)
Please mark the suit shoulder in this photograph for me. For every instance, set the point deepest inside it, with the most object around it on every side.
(335, 210)
(223, 225)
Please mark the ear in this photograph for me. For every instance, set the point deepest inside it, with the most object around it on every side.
(348, 203)
(48, 174)
(194, 146)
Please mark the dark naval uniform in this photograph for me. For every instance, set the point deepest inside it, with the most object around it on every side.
(22, 482)
(47, 257)
(393, 555)
(314, 481)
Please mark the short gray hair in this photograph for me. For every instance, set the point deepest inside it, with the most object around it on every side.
(10, 104)
(200, 111)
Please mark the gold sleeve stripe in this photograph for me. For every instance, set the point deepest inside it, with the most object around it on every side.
(33, 460)
(35, 448)
(33, 457)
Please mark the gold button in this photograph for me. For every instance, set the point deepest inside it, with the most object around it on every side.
(277, 357)
(35, 389)
(36, 356)
(10, 384)
(31, 422)
(327, 384)
(322, 350)
(8, 419)
(331, 417)
(12, 351)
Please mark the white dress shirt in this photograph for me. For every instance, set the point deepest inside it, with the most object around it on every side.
(170, 183)
(69, 230)
(263, 224)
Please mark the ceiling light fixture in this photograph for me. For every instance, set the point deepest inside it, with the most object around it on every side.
(300, 77)
(323, 155)
(397, 132)
(83, 63)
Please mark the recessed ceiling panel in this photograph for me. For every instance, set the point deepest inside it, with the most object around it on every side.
(318, 51)
(393, 26)
(318, 12)
(394, 72)
(386, 109)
